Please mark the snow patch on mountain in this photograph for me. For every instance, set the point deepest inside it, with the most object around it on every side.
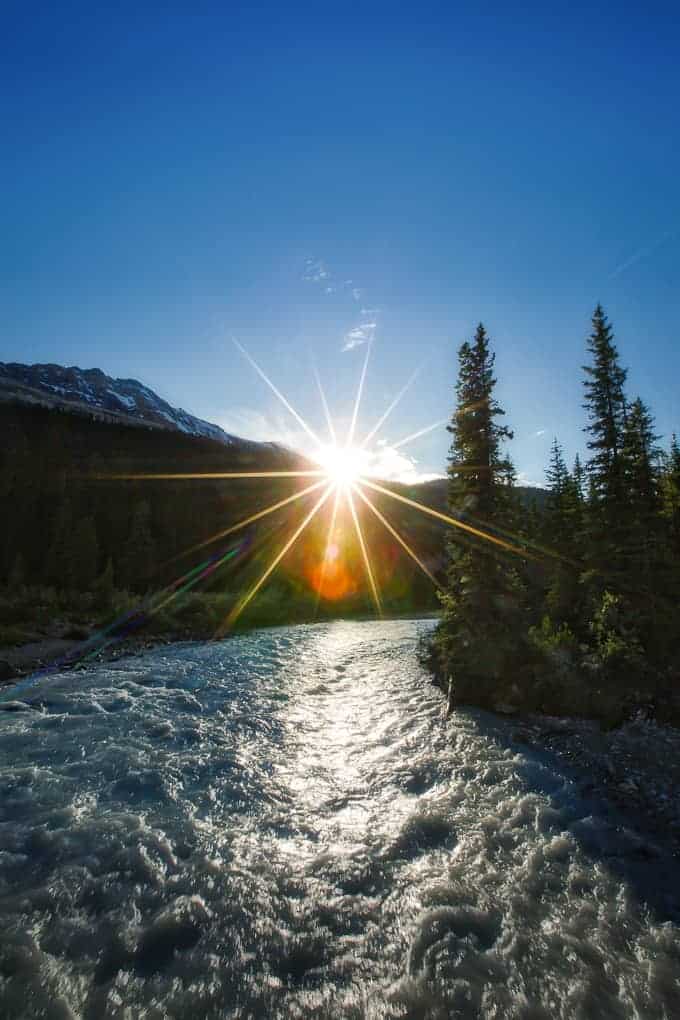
(83, 389)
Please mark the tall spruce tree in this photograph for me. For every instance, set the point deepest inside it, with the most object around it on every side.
(640, 458)
(670, 490)
(480, 633)
(479, 473)
(557, 477)
(562, 530)
(605, 404)
(579, 475)
(139, 554)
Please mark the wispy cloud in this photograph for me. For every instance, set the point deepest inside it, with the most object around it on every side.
(642, 253)
(362, 334)
(524, 479)
(382, 461)
(316, 271)
(392, 465)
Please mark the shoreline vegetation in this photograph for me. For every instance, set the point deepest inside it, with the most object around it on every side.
(572, 608)
(74, 636)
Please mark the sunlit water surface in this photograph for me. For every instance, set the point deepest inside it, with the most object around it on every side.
(282, 825)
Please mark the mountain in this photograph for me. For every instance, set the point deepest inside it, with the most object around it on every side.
(100, 477)
(90, 391)
(130, 402)
(435, 494)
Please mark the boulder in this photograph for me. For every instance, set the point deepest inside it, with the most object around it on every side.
(7, 672)
(504, 708)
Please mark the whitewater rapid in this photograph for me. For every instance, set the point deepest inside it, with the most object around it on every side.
(282, 825)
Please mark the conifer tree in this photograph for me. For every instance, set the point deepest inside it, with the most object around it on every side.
(105, 586)
(479, 635)
(533, 522)
(670, 491)
(642, 505)
(563, 526)
(564, 505)
(478, 470)
(605, 404)
(579, 476)
(17, 575)
(557, 478)
(139, 554)
(59, 567)
(85, 554)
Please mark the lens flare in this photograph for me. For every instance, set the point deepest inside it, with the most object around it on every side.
(342, 465)
(343, 470)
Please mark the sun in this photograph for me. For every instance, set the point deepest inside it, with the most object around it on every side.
(342, 465)
(344, 477)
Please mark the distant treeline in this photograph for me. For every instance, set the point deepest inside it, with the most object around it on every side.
(65, 522)
(588, 621)
(71, 528)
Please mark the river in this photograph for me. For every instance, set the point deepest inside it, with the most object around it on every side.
(282, 825)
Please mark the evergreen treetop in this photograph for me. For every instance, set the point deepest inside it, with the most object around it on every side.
(605, 404)
(579, 476)
(477, 466)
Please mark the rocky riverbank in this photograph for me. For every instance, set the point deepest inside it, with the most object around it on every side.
(57, 654)
(627, 740)
(636, 765)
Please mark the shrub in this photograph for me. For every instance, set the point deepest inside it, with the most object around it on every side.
(618, 648)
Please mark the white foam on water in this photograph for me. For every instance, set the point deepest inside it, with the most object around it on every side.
(282, 825)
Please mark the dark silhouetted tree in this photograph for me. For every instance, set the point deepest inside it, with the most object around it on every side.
(579, 476)
(563, 528)
(17, 575)
(478, 469)
(139, 555)
(556, 519)
(480, 633)
(670, 491)
(59, 566)
(85, 554)
(640, 458)
(605, 404)
(105, 586)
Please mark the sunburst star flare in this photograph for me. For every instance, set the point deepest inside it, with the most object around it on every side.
(345, 471)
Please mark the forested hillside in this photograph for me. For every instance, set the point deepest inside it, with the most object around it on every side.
(78, 538)
(587, 621)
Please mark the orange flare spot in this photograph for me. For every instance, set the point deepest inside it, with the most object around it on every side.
(332, 581)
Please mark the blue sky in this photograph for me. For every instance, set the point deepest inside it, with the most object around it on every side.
(176, 177)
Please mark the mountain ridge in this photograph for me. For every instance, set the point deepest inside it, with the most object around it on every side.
(92, 391)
